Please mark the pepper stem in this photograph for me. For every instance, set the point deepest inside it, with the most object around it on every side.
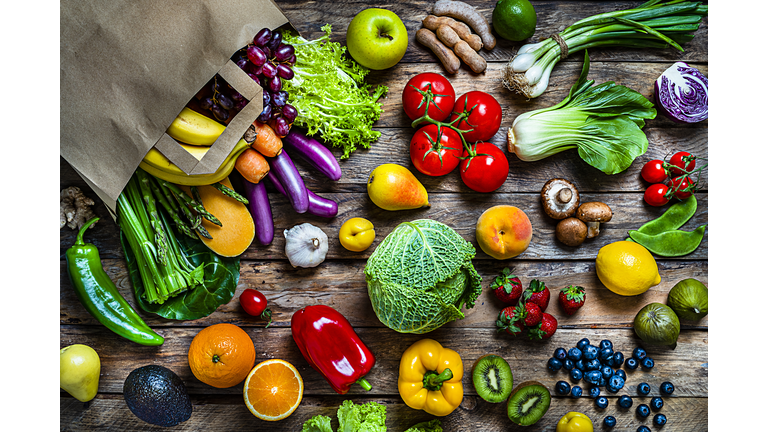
(79, 240)
(434, 381)
(364, 384)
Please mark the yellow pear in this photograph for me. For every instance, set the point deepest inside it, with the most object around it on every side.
(393, 187)
(80, 369)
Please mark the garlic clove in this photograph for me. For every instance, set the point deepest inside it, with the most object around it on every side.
(305, 245)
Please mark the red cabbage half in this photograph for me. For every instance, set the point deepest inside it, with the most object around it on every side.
(682, 93)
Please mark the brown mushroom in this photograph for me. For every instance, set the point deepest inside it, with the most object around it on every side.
(593, 213)
(559, 198)
(571, 231)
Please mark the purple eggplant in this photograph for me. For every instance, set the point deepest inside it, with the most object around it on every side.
(286, 172)
(318, 206)
(258, 204)
(314, 153)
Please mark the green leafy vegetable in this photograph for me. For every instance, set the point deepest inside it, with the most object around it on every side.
(420, 276)
(603, 122)
(367, 417)
(318, 423)
(330, 94)
(430, 426)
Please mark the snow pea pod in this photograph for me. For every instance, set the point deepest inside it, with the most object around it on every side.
(670, 243)
(675, 217)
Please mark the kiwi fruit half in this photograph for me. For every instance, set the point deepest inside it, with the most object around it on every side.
(492, 378)
(528, 403)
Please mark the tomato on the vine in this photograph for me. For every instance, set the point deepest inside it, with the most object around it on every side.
(415, 96)
(656, 195)
(435, 150)
(682, 185)
(483, 116)
(486, 170)
(255, 303)
(682, 161)
(653, 171)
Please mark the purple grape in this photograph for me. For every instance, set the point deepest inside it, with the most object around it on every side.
(280, 98)
(262, 37)
(239, 105)
(266, 114)
(281, 127)
(267, 98)
(289, 113)
(220, 113)
(206, 103)
(283, 52)
(254, 76)
(225, 101)
(275, 84)
(292, 60)
(269, 70)
(242, 63)
(216, 87)
(237, 97)
(284, 71)
(256, 55)
(274, 41)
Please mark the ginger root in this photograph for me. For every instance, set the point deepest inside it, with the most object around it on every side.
(75, 208)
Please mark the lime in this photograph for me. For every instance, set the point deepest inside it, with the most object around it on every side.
(514, 20)
(626, 268)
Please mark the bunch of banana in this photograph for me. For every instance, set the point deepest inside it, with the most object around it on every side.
(191, 127)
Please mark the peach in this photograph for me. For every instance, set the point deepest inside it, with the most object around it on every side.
(503, 231)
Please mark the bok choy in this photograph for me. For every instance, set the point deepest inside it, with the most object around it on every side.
(603, 122)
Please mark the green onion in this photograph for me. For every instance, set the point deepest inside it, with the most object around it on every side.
(651, 25)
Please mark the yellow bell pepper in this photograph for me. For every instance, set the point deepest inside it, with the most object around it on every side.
(430, 378)
(356, 234)
(574, 422)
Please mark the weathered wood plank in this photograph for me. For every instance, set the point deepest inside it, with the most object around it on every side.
(225, 413)
(686, 366)
(341, 284)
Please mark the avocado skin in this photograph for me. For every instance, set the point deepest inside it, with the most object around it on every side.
(157, 395)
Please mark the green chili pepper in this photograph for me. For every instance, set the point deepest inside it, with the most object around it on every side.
(99, 295)
(675, 217)
(670, 243)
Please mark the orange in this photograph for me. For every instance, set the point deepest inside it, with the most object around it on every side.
(221, 355)
(273, 390)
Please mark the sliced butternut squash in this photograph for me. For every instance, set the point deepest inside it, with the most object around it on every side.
(237, 229)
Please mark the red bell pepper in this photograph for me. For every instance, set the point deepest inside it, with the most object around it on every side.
(329, 343)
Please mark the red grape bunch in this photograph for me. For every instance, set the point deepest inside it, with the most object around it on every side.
(268, 61)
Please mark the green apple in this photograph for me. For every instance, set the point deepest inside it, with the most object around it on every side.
(80, 369)
(377, 38)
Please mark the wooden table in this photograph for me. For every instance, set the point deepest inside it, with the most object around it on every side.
(339, 281)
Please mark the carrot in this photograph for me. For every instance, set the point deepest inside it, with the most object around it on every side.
(252, 165)
(267, 142)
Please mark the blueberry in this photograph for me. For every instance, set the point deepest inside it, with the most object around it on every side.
(577, 374)
(582, 344)
(593, 377)
(643, 429)
(622, 374)
(607, 371)
(615, 383)
(609, 421)
(591, 365)
(576, 392)
(574, 354)
(667, 388)
(594, 392)
(605, 343)
(590, 352)
(610, 361)
(562, 388)
(659, 419)
(639, 354)
(643, 388)
(568, 364)
(656, 403)
(643, 410)
(601, 402)
(604, 354)
(579, 364)
(618, 359)
(554, 364)
(560, 354)
(625, 401)
(647, 363)
(602, 381)
(632, 363)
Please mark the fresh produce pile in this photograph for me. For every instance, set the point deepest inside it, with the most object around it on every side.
(183, 235)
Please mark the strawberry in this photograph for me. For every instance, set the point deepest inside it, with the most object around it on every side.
(509, 321)
(545, 329)
(572, 298)
(530, 314)
(507, 287)
(537, 293)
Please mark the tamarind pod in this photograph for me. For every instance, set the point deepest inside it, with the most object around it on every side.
(469, 15)
(432, 22)
(475, 62)
(447, 35)
(447, 57)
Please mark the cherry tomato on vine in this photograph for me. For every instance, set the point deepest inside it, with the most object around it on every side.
(653, 171)
(415, 96)
(255, 303)
(655, 195)
(435, 150)
(683, 186)
(487, 170)
(483, 116)
(682, 160)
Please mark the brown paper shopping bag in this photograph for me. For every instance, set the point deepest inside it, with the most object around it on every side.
(128, 67)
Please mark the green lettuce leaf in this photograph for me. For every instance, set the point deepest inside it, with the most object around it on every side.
(318, 423)
(430, 426)
(367, 417)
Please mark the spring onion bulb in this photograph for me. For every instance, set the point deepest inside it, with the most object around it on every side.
(651, 25)
(682, 93)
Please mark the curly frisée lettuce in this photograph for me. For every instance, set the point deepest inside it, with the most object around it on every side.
(421, 276)
(330, 94)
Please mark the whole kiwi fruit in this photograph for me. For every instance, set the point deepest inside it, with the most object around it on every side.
(492, 378)
(528, 403)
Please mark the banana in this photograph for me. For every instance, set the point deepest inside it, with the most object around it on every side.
(158, 165)
(194, 128)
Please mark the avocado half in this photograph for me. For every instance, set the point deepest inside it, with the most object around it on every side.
(157, 395)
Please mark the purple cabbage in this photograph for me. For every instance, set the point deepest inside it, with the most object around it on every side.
(682, 94)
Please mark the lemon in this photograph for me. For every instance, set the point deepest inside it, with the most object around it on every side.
(514, 20)
(627, 268)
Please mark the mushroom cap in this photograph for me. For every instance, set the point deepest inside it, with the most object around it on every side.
(571, 231)
(594, 212)
(559, 198)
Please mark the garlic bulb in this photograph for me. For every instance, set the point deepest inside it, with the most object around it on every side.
(305, 245)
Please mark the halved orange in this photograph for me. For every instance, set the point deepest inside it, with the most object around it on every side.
(273, 390)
